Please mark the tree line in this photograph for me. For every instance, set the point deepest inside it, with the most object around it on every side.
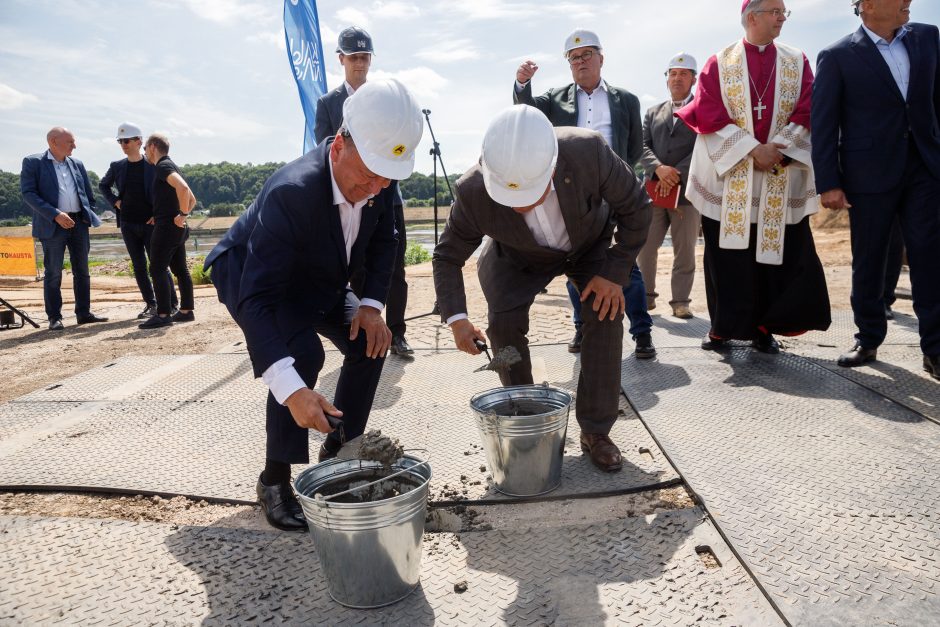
(221, 189)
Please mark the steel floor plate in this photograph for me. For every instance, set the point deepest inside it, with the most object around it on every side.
(199, 430)
(826, 490)
(635, 571)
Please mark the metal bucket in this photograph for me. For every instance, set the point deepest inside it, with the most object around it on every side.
(524, 452)
(370, 552)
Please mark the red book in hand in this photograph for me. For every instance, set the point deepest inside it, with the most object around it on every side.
(669, 201)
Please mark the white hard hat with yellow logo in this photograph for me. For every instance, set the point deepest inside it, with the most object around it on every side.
(519, 155)
(385, 123)
(581, 38)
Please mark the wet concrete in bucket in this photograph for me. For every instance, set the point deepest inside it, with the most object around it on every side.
(507, 357)
(520, 407)
(380, 491)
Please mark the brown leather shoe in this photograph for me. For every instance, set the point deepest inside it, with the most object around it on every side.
(604, 453)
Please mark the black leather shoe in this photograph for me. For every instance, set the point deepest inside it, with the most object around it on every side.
(932, 365)
(710, 343)
(90, 318)
(179, 316)
(574, 346)
(766, 344)
(280, 507)
(155, 322)
(400, 347)
(644, 346)
(603, 452)
(857, 356)
(56, 325)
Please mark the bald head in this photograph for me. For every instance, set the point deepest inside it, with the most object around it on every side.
(61, 142)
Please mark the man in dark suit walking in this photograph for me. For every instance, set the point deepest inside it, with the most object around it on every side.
(876, 152)
(549, 199)
(56, 187)
(667, 155)
(355, 55)
(590, 102)
(283, 268)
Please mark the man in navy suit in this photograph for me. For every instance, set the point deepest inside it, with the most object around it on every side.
(57, 189)
(354, 48)
(876, 152)
(283, 272)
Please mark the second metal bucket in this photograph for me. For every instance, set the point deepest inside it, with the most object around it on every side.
(370, 552)
(523, 430)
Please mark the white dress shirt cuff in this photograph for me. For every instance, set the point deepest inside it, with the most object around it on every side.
(372, 303)
(456, 317)
(520, 86)
(282, 379)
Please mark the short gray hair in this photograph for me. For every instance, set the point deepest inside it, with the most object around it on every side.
(753, 6)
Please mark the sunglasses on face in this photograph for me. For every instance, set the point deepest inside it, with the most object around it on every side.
(127, 140)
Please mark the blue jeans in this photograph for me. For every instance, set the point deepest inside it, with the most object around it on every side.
(635, 295)
(53, 256)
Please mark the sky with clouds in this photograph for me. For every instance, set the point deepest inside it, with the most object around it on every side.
(214, 74)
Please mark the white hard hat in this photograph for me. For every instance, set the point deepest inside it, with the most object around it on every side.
(682, 61)
(128, 130)
(581, 38)
(385, 123)
(519, 154)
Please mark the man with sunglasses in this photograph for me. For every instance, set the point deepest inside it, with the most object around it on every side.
(128, 186)
(590, 102)
(751, 178)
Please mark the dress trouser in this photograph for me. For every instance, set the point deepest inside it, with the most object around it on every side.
(355, 387)
(77, 242)
(684, 225)
(137, 241)
(168, 250)
(398, 288)
(915, 203)
(598, 396)
(634, 293)
(893, 264)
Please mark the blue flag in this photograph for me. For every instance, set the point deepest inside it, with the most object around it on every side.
(302, 32)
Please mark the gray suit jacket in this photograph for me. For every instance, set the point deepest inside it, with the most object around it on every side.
(560, 106)
(513, 266)
(667, 144)
(329, 113)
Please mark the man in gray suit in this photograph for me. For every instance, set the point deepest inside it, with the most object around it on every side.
(667, 154)
(355, 51)
(590, 102)
(549, 199)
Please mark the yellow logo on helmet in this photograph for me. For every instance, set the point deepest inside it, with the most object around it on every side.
(398, 150)
(577, 40)
(512, 185)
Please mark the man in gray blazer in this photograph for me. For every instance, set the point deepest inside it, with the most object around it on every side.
(355, 51)
(549, 199)
(667, 154)
(590, 102)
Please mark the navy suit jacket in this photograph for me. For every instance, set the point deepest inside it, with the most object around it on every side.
(329, 113)
(860, 121)
(285, 257)
(40, 188)
(116, 177)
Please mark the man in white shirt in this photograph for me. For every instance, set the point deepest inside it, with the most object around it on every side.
(550, 200)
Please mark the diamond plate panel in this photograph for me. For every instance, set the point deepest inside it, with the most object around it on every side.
(200, 432)
(637, 571)
(97, 383)
(19, 417)
(841, 334)
(828, 491)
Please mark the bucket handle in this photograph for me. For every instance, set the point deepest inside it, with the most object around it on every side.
(372, 483)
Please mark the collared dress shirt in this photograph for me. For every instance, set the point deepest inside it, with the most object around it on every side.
(895, 55)
(68, 192)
